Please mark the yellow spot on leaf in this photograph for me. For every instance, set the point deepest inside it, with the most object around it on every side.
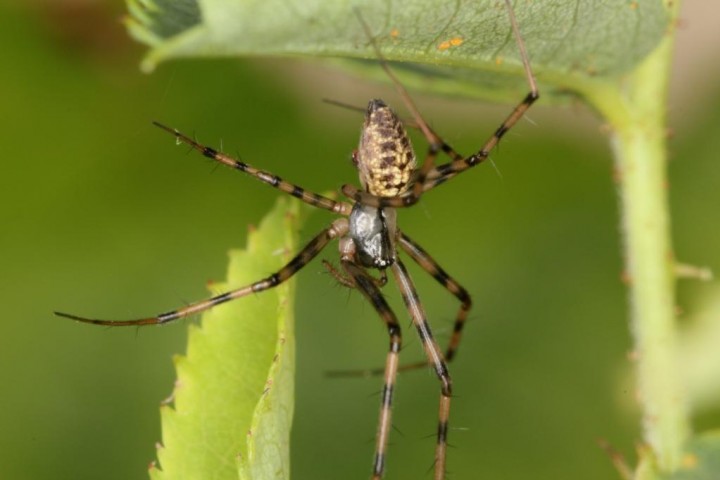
(453, 42)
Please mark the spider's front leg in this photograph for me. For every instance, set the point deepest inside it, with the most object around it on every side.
(440, 174)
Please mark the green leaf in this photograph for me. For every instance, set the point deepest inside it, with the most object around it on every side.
(233, 399)
(569, 42)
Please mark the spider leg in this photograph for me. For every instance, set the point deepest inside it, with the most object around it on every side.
(442, 173)
(338, 228)
(430, 176)
(367, 286)
(428, 264)
(435, 358)
(445, 172)
(314, 199)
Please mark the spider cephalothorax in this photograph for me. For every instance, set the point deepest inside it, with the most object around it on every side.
(373, 230)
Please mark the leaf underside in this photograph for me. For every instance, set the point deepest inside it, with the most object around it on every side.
(463, 48)
(233, 398)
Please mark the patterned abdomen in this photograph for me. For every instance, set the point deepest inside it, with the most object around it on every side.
(385, 158)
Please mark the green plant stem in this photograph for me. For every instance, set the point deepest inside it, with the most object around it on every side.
(636, 109)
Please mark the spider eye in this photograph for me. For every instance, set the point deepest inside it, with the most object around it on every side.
(354, 157)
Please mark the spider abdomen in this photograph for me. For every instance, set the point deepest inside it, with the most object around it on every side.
(385, 158)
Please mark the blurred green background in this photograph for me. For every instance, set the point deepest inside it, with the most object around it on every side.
(103, 216)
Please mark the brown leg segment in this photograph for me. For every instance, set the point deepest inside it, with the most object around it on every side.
(314, 199)
(427, 263)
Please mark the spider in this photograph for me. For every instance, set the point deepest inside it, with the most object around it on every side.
(369, 238)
